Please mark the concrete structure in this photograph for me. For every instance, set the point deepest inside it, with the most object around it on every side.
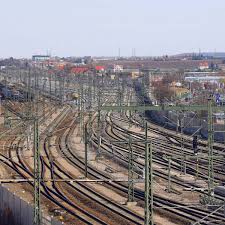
(15, 211)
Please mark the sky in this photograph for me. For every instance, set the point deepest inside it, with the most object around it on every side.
(101, 27)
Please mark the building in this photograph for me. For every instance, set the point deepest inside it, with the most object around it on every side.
(176, 84)
(40, 58)
(204, 66)
(222, 67)
(117, 68)
(79, 70)
(100, 68)
(200, 74)
(204, 79)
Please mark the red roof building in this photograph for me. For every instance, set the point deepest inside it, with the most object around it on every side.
(79, 70)
(100, 68)
(203, 65)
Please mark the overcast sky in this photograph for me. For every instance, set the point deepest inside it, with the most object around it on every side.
(101, 27)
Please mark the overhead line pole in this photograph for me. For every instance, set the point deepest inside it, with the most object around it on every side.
(210, 149)
(86, 151)
(130, 197)
(37, 175)
(99, 124)
(130, 172)
(148, 180)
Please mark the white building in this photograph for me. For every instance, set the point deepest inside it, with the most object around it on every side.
(204, 66)
(203, 79)
(118, 68)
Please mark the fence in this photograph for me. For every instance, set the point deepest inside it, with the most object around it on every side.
(15, 211)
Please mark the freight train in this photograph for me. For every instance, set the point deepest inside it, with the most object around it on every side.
(9, 92)
(220, 190)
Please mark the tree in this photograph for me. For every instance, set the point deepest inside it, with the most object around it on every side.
(162, 92)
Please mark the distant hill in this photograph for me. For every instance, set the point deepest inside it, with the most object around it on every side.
(214, 54)
(202, 54)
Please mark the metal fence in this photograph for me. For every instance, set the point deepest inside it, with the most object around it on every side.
(15, 211)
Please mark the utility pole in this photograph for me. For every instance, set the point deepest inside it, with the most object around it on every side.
(90, 99)
(169, 174)
(55, 85)
(37, 175)
(82, 111)
(197, 167)
(7, 122)
(99, 125)
(50, 84)
(130, 168)
(28, 95)
(148, 181)
(34, 116)
(62, 87)
(94, 85)
(210, 149)
(119, 99)
(183, 167)
(130, 100)
(130, 172)
(86, 150)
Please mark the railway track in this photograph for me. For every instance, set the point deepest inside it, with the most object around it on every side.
(61, 195)
(168, 149)
(57, 195)
(119, 157)
(76, 162)
(26, 171)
